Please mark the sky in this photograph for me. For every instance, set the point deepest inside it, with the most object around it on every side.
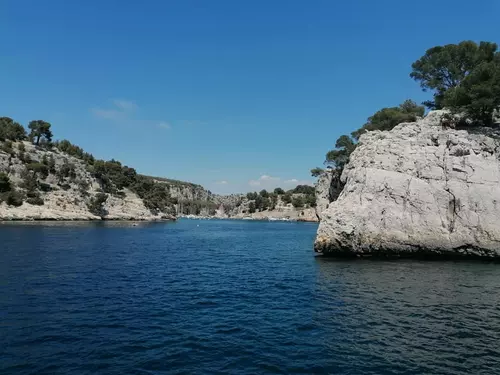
(234, 95)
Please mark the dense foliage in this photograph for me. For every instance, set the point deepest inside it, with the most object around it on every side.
(96, 204)
(4, 183)
(40, 130)
(464, 77)
(316, 172)
(388, 118)
(11, 130)
(68, 148)
(301, 196)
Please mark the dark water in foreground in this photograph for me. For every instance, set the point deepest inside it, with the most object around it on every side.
(233, 297)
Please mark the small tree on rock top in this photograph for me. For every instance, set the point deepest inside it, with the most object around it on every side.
(40, 130)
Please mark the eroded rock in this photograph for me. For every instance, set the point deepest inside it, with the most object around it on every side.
(417, 190)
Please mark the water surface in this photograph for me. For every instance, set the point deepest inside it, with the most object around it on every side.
(233, 297)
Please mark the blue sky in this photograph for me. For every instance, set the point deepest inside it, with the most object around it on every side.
(234, 95)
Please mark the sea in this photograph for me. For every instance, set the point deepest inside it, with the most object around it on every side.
(233, 297)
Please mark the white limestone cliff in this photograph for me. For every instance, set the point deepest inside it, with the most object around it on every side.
(420, 190)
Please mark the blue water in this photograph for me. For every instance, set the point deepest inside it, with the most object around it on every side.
(233, 297)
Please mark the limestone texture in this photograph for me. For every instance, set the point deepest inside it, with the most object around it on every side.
(417, 190)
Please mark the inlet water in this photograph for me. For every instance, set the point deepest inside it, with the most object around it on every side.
(233, 297)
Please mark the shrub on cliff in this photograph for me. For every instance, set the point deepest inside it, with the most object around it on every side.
(252, 196)
(68, 148)
(29, 180)
(14, 198)
(96, 204)
(8, 194)
(37, 201)
(273, 201)
(4, 183)
(251, 207)
(7, 148)
(384, 119)
(66, 170)
(298, 202)
(310, 200)
(303, 189)
(279, 191)
(388, 118)
(339, 156)
(50, 162)
(286, 198)
(38, 169)
(316, 172)
(113, 176)
(11, 130)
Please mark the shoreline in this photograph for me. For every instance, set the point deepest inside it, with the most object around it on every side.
(82, 220)
(246, 218)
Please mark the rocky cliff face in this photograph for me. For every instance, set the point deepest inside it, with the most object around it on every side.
(328, 188)
(60, 196)
(418, 190)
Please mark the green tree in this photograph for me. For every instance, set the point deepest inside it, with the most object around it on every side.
(51, 164)
(478, 95)
(259, 202)
(39, 169)
(274, 201)
(4, 183)
(303, 189)
(316, 172)
(339, 157)
(7, 147)
(96, 204)
(14, 198)
(445, 67)
(11, 130)
(65, 170)
(298, 202)
(266, 203)
(264, 194)
(40, 130)
(279, 191)
(251, 207)
(388, 118)
(310, 200)
(286, 198)
(252, 196)
(30, 182)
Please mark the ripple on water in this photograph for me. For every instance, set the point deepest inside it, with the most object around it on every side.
(235, 298)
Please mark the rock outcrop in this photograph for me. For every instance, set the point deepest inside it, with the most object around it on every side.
(328, 188)
(417, 190)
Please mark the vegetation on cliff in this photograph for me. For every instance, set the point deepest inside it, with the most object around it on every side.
(302, 196)
(464, 78)
(113, 177)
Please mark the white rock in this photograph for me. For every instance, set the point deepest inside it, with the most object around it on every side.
(417, 190)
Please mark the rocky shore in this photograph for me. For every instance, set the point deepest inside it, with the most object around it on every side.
(419, 190)
(301, 215)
